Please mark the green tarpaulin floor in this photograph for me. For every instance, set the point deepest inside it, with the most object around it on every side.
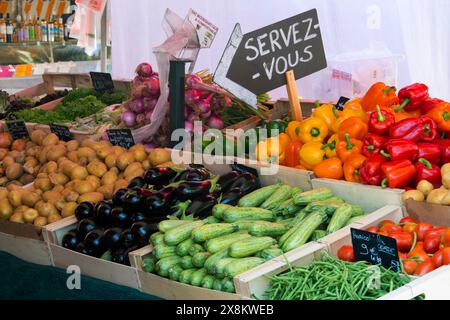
(20, 280)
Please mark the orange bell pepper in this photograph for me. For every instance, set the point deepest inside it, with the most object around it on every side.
(354, 104)
(284, 139)
(293, 130)
(330, 168)
(293, 154)
(354, 127)
(352, 166)
(348, 113)
(401, 114)
(348, 147)
(379, 94)
(271, 151)
(441, 114)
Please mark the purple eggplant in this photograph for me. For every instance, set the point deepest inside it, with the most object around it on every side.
(232, 197)
(159, 176)
(160, 201)
(190, 190)
(225, 181)
(194, 174)
(248, 182)
(202, 207)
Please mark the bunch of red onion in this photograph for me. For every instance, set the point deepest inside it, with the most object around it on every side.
(145, 92)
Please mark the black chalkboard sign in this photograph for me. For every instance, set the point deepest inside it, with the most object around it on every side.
(341, 103)
(62, 132)
(375, 249)
(17, 129)
(121, 137)
(265, 55)
(102, 82)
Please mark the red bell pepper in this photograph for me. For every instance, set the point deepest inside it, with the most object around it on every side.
(429, 104)
(423, 128)
(372, 144)
(427, 171)
(370, 172)
(400, 149)
(404, 240)
(397, 174)
(380, 121)
(430, 151)
(444, 144)
(412, 97)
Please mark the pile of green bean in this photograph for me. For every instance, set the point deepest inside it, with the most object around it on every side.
(332, 279)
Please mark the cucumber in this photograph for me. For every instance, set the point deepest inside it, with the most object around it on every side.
(211, 231)
(353, 219)
(296, 190)
(304, 198)
(317, 235)
(264, 228)
(218, 268)
(211, 220)
(214, 258)
(162, 250)
(186, 275)
(248, 247)
(247, 214)
(286, 222)
(270, 253)
(304, 231)
(166, 225)
(217, 285)
(287, 208)
(178, 234)
(223, 242)
(329, 206)
(208, 282)
(340, 218)
(149, 264)
(256, 198)
(241, 265)
(357, 211)
(183, 247)
(195, 248)
(219, 209)
(243, 225)
(283, 193)
(228, 285)
(198, 260)
(175, 272)
(186, 263)
(291, 231)
(197, 277)
(163, 265)
(299, 217)
(156, 238)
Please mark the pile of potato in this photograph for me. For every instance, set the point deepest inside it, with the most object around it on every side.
(68, 173)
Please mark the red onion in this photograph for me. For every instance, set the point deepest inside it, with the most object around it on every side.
(193, 79)
(138, 92)
(150, 103)
(148, 117)
(206, 115)
(192, 96)
(215, 122)
(204, 105)
(144, 70)
(137, 81)
(150, 146)
(137, 106)
(129, 119)
(140, 119)
(189, 126)
(192, 117)
(153, 88)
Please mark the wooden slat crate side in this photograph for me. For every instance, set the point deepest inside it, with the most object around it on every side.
(30, 250)
(31, 92)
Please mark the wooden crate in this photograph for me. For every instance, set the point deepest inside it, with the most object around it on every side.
(90, 266)
(27, 249)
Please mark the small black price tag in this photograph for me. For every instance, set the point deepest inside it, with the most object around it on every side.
(243, 169)
(102, 82)
(121, 137)
(62, 132)
(17, 129)
(342, 101)
(375, 249)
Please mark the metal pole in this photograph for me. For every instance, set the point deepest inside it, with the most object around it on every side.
(176, 97)
(104, 35)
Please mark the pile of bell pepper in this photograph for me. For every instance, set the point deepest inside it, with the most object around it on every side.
(383, 139)
(421, 246)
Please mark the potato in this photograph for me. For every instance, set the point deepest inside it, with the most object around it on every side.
(58, 188)
(3, 193)
(120, 184)
(95, 181)
(30, 215)
(33, 151)
(83, 161)
(19, 145)
(437, 196)
(45, 209)
(71, 184)
(15, 198)
(71, 196)
(139, 153)
(43, 184)
(87, 143)
(42, 175)
(109, 178)
(19, 157)
(59, 205)
(146, 164)
(58, 178)
(69, 209)
(79, 173)
(139, 172)
(3, 181)
(88, 153)
(73, 156)
(115, 170)
(72, 145)
(425, 187)
(132, 168)
(107, 190)
(7, 161)
(40, 221)
(61, 160)
(56, 152)
(83, 187)
(97, 168)
(52, 196)
(414, 195)
(17, 217)
(6, 210)
(102, 153)
(111, 160)
(91, 197)
(37, 136)
(124, 160)
(22, 209)
(54, 218)
(158, 156)
(67, 167)
(26, 179)
(14, 171)
(3, 153)
(50, 140)
(118, 150)
(42, 156)
(51, 167)
(30, 199)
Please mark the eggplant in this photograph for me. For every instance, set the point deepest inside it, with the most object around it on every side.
(132, 201)
(70, 240)
(248, 182)
(120, 217)
(225, 181)
(84, 227)
(137, 182)
(81, 248)
(159, 176)
(121, 255)
(85, 210)
(119, 197)
(202, 207)
(95, 242)
(128, 238)
(113, 238)
(232, 197)
(160, 201)
(189, 190)
(138, 217)
(178, 209)
(103, 211)
(194, 174)
(141, 232)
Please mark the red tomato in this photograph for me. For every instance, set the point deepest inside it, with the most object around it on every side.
(386, 222)
(383, 233)
(404, 240)
(419, 253)
(391, 228)
(402, 255)
(408, 219)
(419, 244)
(372, 229)
(346, 253)
(431, 243)
(421, 229)
(410, 227)
(410, 266)
(446, 256)
(437, 258)
(436, 231)
(446, 238)
(424, 268)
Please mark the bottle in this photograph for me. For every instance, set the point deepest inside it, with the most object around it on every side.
(2, 29)
(20, 33)
(50, 30)
(9, 30)
(61, 30)
(44, 31)
(37, 30)
(25, 32)
(31, 34)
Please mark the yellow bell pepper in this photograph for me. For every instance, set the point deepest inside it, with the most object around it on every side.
(271, 151)
(327, 113)
(311, 154)
(331, 146)
(313, 130)
(354, 104)
(284, 140)
(293, 130)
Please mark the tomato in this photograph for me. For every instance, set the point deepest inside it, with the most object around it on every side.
(386, 222)
(437, 258)
(383, 233)
(372, 229)
(410, 227)
(446, 238)
(410, 266)
(404, 240)
(446, 256)
(424, 268)
(346, 253)
(419, 244)
(436, 231)
(421, 229)
(431, 243)
(402, 255)
(391, 228)
(408, 219)
(419, 253)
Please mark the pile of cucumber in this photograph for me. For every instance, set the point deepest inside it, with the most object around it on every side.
(266, 223)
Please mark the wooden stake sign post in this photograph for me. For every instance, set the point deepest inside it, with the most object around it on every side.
(273, 56)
